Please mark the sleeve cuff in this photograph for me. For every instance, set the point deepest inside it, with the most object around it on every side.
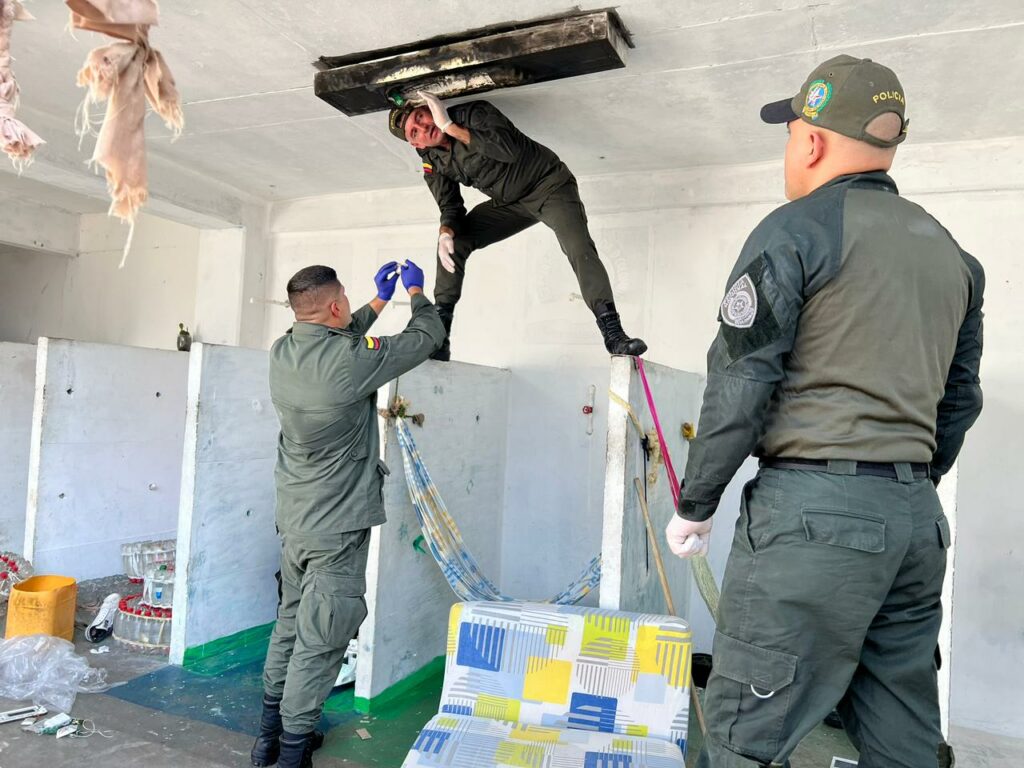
(696, 511)
(420, 300)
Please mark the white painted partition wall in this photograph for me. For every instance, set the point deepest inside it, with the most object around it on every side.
(228, 548)
(105, 459)
(629, 577)
(463, 442)
(17, 391)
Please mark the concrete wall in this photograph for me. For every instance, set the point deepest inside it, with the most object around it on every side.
(228, 550)
(17, 392)
(463, 444)
(629, 575)
(670, 239)
(87, 298)
(105, 459)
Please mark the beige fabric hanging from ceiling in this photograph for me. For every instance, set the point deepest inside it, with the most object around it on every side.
(17, 139)
(126, 75)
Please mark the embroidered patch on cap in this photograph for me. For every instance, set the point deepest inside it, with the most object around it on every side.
(739, 307)
(372, 342)
(819, 94)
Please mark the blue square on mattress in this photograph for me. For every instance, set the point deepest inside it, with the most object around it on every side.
(606, 760)
(592, 713)
(480, 646)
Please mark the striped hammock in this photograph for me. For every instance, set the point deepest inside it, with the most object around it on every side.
(446, 545)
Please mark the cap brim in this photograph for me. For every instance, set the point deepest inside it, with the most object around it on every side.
(779, 112)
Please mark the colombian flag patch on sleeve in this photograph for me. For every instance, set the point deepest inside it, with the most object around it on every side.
(373, 342)
(428, 168)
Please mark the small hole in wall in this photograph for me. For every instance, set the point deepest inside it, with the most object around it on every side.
(248, 513)
(70, 390)
(60, 496)
(478, 418)
(158, 394)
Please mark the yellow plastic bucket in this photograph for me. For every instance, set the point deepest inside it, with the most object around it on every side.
(43, 605)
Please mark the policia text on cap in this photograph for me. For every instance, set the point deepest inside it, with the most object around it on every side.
(847, 359)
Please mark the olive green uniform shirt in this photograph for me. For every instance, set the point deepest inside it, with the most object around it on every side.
(851, 329)
(323, 382)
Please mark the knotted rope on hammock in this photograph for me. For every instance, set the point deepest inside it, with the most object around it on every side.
(445, 541)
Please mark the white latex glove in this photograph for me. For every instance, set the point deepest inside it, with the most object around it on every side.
(686, 538)
(437, 110)
(445, 251)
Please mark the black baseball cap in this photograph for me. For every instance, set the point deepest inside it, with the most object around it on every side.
(396, 121)
(844, 94)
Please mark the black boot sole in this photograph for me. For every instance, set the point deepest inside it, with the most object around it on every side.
(631, 347)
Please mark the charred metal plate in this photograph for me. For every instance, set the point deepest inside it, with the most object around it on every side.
(474, 62)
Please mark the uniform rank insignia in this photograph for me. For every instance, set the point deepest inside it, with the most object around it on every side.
(428, 168)
(739, 307)
(373, 342)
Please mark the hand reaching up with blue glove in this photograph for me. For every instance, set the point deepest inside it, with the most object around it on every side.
(386, 280)
(412, 276)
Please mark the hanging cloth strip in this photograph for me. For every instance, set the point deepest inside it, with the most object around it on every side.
(447, 546)
(702, 574)
(16, 138)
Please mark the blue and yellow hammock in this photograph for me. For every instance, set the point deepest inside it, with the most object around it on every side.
(445, 541)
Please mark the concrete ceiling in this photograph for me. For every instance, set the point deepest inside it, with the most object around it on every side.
(688, 97)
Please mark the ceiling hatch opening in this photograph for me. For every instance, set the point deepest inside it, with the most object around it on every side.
(475, 61)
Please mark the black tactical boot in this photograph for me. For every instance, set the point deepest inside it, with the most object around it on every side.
(267, 746)
(615, 339)
(296, 750)
(446, 312)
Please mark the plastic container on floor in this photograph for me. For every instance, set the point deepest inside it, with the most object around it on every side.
(139, 556)
(158, 588)
(43, 605)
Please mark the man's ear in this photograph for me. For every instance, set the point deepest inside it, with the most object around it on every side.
(816, 150)
(335, 309)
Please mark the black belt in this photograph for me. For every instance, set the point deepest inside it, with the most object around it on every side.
(873, 468)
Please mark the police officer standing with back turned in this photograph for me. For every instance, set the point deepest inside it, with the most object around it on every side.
(847, 359)
(324, 376)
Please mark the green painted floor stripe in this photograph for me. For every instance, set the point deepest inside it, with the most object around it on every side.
(216, 656)
(426, 677)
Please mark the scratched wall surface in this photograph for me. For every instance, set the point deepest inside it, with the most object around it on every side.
(108, 427)
(629, 574)
(463, 444)
(228, 549)
(17, 385)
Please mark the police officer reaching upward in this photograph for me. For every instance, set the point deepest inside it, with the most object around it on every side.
(847, 359)
(324, 376)
(476, 145)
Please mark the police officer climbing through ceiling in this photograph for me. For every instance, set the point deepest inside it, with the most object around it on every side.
(324, 376)
(847, 359)
(476, 145)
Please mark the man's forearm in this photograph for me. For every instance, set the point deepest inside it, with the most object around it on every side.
(458, 133)
(377, 305)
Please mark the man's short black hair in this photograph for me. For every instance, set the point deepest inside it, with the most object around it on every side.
(304, 287)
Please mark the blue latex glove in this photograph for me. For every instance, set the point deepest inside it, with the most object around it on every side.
(386, 280)
(412, 275)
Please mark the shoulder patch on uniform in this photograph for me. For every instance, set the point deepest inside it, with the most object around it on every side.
(373, 342)
(427, 167)
(748, 318)
(739, 307)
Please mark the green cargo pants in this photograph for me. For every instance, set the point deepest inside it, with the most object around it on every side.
(832, 595)
(561, 210)
(321, 609)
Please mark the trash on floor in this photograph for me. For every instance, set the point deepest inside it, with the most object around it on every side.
(21, 713)
(47, 671)
(101, 626)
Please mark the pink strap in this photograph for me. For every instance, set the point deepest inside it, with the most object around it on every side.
(672, 479)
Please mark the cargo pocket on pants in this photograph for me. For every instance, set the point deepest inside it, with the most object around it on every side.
(338, 608)
(382, 473)
(839, 528)
(748, 711)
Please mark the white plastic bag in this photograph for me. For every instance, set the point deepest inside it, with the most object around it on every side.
(47, 671)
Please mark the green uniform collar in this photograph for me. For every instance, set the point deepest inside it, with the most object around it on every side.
(315, 329)
(876, 179)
